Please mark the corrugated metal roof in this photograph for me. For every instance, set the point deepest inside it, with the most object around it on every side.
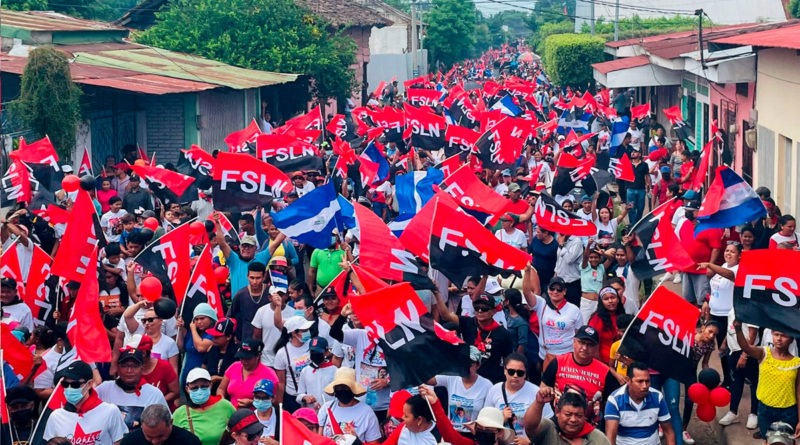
(621, 64)
(787, 37)
(181, 66)
(53, 21)
(115, 78)
(345, 13)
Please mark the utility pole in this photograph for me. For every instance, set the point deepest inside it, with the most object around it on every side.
(699, 13)
(414, 39)
(591, 15)
(616, 22)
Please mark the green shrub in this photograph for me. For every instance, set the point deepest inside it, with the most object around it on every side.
(567, 58)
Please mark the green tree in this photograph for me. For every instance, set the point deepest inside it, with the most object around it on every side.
(450, 34)
(49, 102)
(274, 35)
(794, 8)
(515, 23)
(568, 58)
(548, 29)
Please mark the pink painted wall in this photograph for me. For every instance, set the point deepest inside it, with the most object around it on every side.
(727, 92)
(361, 36)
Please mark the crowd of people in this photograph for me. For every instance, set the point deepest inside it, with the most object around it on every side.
(545, 366)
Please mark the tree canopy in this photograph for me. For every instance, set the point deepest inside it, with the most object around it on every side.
(450, 34)
(274, 35)
(105, 10)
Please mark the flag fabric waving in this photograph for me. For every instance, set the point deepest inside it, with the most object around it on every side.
(293, 432)
(661, 251)
(551, 216)
(15, 353)
(662, 335)
(242, 183)
(309, 121)
(507, 106)
(202, 288)
(640, 111)
(85, 329)
(621, 168)
(241, 141)
(78, 242)
(85, 167)
(197, 163)
(288, 153)
(416, 347)
(459, 140)
(312, 218)
(167, 259)
(420, 97)
(39, 152)
(337, 126)
(730, 201)
(426, 129)
(167, 185)
(461, 247)
(682, 129)
(700, 173)
(413, 190)
(477, 198)
(37, 291)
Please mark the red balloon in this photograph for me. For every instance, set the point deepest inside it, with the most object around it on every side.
(699, 394)
(70, 183)
(151, 223)
(221, 273)
(706, 412)
(150, 288)
(720, 397)
(197, 228)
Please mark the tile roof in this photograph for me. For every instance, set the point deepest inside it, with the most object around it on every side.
(621, 64)
(345, 13)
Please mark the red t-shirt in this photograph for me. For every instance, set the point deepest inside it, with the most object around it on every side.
(699, 248)
(161, 376)
(607, 336)
(518, 208)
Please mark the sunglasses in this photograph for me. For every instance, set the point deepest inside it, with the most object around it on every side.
(149, 320)
(73, 385)
(557, 289)
(482, 309)
(515, 372)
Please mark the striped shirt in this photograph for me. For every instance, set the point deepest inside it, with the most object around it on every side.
(638, 422)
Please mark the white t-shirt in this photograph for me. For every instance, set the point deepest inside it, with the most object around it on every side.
(300, 358)
(168, 326)
(102, 425)
(777, 238)
(464, 404)
(111, 224)
(516, 239)
(631, 303)
(305, 189)
(165, 348)
(313, 382)
(370, 364)
(501, 189)
(20, 313)
(518, 402)
(359, 416)
(53, 362)
(269, 425)
(558, 328)
(265, 320)
(583, 215)
(721, 301)
(733, 343)
(129, 404)
(606, 232)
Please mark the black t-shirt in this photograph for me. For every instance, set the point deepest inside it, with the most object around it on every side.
(179, 436)
(640, 172)
(544, 258)
(217, 362)
(498, 345)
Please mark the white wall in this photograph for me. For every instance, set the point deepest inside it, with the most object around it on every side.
(389, 40)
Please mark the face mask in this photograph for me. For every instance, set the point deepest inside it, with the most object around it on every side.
(300, 313)
(73, 395)
(200, 396)
(344, 395)
(262, 405)
(22, 416)
(484, 437)
(305, 337)
(317, 358)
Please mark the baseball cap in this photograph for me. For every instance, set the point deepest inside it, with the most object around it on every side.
(131, 354)
(557, 281)
(245, 421)
(506, 172)
(265, 386)
(197, 374)
(140, 342)
(76, 370)
(586, 198)
(492, 287)
(513, 187)
(484, 300)
(307, 414)
(223, 327)
(318, 344)
(588, 333)
(8, 283)
(21, 394)
(297, 323)
(249, 239)
(249, 349)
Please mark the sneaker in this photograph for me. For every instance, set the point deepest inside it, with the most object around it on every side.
(729, 418)
(677, 278)
(752, 421)
(668, 276)
(687, 439)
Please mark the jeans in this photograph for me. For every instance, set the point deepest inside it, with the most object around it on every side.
(768, 414)
(636, 197)
(671, 389)
(750, 371)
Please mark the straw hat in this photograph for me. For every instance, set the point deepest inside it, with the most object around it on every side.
(491, 417)
(346, 377)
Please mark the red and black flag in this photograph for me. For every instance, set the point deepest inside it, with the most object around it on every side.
(462, 111)
(167, 185)
(475, 197)
(392, 120)
(337, 126)
(202, 287)
(10, 267)
(450, 165)
(167, 259)
(425, 128)
(16, 185)
(421, 97)
(198, 164)
(459, 140)
(661, 251)
(79, 240)
(37, 288)
(309, 136)
(416, 347)
(682, 129)
(242, 183)
(662, 335)
(85, 167)
(420, 81)
(242, 141)
(288, 153)
(461, 247)
(621, 168)
(383, 254)
(766, 290)
(85, 329)
(39, 152)
(15, 353)
(500, 146)
(551, 216)
(640, 112)
(309, 121)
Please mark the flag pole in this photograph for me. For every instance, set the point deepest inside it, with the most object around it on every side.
(280, 424)
(624, 334)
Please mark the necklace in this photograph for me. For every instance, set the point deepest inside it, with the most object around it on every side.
(260, 295)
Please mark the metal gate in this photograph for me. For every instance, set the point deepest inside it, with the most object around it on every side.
(110, 132)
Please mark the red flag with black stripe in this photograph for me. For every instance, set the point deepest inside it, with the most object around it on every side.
(37, 292)
(198, 164)
(168, 258)
(242, 140)
(475, 197)
(10, 268)
(167, 185)
(552, 217)
(416, 347)
(420, 97)
(85, 167)
(202, 287)
(500, 146)
(288, 153)
(309, 121)
(662, 335)
(621, 168)
(450, 165)
(242, 183)
(425, 128)
(79, 240)
(661, 251)
(337, 126)
(459, 139)
(393, 120)
(39, 152)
